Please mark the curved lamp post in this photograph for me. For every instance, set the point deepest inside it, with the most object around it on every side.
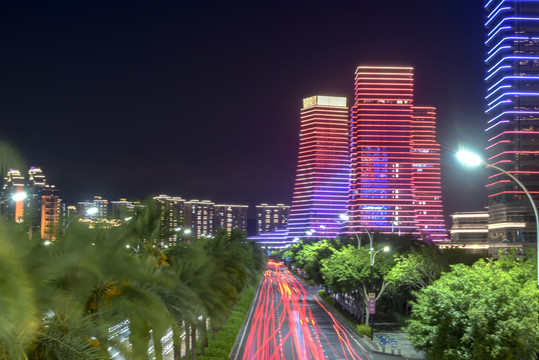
(346, 218)
(373, 253)
(472, 159)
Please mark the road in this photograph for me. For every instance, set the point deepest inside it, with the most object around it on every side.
(286, 322)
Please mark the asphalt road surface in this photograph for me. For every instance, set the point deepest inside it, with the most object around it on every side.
(287, 322)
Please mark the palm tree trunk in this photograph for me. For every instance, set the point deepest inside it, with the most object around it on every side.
(194, 342)
(204, 336)
(157, 347)
(187, 340)
(177, 347)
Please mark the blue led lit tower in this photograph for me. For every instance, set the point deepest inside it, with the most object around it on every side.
(323, 171)
(512, 77)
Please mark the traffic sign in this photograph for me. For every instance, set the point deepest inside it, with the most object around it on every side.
(372, 303)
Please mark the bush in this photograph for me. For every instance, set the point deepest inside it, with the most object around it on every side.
(363, 330)
(328, 299)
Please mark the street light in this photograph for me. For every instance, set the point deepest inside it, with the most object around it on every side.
(346, 218)
(373, 254)
(19, 196)
(472, 159)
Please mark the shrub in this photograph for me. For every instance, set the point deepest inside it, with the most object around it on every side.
(363, 330)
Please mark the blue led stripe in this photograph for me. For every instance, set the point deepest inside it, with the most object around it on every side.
(497, 12)
(514, 113)
(498, 89)
(496, 7)
(508, 38)
(488, 3)
(494, 35)
(498, 104)
(514, 93)
(500, 68)
(513, 77)
(512, 18)
(498, 123)
(513, 58)
(501, 48)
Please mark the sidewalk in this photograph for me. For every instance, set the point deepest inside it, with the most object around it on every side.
(392, 331)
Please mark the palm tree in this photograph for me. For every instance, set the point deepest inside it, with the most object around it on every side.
(19, 317)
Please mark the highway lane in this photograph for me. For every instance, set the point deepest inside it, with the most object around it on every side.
(288, 323)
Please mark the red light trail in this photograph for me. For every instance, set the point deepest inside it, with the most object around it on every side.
(283, 325)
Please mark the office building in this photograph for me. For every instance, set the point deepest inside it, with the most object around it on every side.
(13, 196)
(50, 213)
(270, 218)
(395, 160)
(323, 169)
(469, 228)
(95, 210)
(199, 216)
(172, 210)
(512, 112)
(426, 176)
(230, 217)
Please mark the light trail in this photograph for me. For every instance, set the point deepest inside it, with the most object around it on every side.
(283, 326)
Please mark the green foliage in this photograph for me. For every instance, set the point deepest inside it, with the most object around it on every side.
(486, 311)
(418, 268)
(18, 311)
(328, 299)
(58, 301)
(363, 330)
(309, 258)
(225, 339)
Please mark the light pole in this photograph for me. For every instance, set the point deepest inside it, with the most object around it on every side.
(373, 254)
(472, 159)
(346, 218)
(89, 212)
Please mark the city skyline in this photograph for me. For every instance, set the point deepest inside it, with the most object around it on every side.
(202, 100)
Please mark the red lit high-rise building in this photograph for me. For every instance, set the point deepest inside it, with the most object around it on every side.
(426, 175)
(395, 160)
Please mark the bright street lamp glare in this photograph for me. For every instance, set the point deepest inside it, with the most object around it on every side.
(92, 211)
(20, 196)
(386, 249)
(344, 217)
(187, 231)
(469, 158)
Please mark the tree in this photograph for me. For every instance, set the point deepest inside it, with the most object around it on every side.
(486, 311)
(19, 317)
(310, 257)
(348, 271)
(418, 268)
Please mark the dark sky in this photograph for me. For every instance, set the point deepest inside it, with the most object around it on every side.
(201, 99)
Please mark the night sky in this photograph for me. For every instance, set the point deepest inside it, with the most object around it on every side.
(201, 99)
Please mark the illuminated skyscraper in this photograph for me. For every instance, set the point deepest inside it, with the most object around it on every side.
(50, 212)
(323, 170)
(395, 160)
(230, 217)
(13, 210)
(512, 128)
(381, 179)
(426, 176)
(270, 218)
(199, 216)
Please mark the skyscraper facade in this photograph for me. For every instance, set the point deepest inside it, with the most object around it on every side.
(395, 159)
(50, 212)
(270, 218)
(512, 78)
(230, 217)
(323, 168)
(426, 175)
(13, 207)
(381, 178)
